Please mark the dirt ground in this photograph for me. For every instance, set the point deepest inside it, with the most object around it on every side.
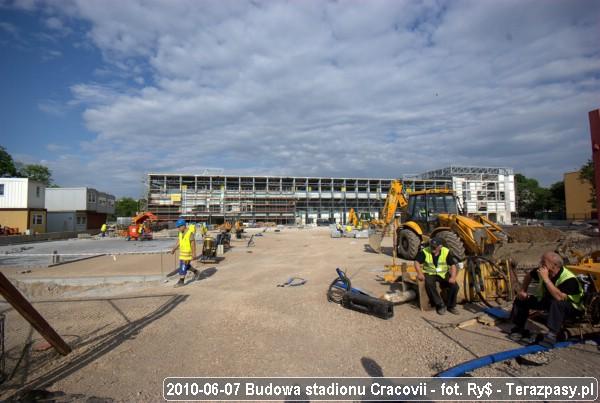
(235, 321)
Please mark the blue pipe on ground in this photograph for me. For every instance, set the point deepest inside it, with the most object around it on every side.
(471, 365)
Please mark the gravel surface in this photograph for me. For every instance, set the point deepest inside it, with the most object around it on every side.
(237, 322)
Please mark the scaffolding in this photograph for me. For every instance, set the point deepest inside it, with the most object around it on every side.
(280, 199)
(213, 197)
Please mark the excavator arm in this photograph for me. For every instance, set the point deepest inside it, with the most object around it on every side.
(395, 198)
(353, 218)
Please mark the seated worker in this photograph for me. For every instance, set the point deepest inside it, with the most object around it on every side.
(186, 244)
(439, 266)
(559, 293)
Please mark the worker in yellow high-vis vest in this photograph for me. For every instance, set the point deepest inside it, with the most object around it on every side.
(559, 293)
(186, 244)
(436, 264)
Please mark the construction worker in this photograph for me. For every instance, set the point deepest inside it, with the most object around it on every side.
(187, 250)
(435, 264)
(558, 292)
(103, 230)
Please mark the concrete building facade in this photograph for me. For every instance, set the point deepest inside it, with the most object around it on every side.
(22, 205)
(486, 191)
(77, 209)
(577, 198)
(291, 199)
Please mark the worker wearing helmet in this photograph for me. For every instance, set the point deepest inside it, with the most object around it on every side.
(438, 267)
(186, 244)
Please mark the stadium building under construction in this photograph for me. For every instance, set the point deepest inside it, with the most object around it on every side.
(213, 197)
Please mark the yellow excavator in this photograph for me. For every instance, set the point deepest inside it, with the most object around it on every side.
(358, 222)
(430, 213)
(353, 218)
(435, 212)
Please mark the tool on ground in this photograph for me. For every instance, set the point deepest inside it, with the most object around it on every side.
(293, 282)
(341, 292)
(250, 242)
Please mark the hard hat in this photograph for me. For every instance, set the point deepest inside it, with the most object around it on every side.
(435, 242)
(180, 223)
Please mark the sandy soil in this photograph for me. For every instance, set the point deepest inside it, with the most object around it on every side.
(235, 321)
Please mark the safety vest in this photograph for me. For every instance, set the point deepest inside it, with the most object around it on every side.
(185, 245)
(575, 299)
(103, 228)
(442, 267)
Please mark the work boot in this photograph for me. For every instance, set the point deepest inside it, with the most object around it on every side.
(179, 283)
(441, 310)
(519, 334)
(453, 311)
(549, 340)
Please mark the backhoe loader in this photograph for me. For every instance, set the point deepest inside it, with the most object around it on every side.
(435, 212)
(432, 213)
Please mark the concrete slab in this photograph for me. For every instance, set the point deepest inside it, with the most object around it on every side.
(72, 249)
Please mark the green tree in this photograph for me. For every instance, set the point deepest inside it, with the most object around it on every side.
(37, 172)
(532, 199)
(586, 174)
(557, 197)
(7, 165)
(126, 207)
(527, 190)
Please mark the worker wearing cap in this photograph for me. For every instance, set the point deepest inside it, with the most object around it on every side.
(186, 244)
(435, 264)
(559, 292)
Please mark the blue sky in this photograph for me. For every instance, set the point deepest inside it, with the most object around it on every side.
(106, 91)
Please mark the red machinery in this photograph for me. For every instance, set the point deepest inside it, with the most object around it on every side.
(139, 230)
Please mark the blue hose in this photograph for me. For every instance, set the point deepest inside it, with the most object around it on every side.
(471, 365)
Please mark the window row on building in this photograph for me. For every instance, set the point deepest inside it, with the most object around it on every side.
(215, 198)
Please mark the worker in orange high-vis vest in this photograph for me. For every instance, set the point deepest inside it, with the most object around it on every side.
(187, 250)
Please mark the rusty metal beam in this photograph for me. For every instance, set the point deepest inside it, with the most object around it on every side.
(594, 117)
(37, 321)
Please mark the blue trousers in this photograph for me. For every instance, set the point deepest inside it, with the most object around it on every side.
(184, 266)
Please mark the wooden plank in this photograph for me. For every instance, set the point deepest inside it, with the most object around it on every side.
(37, 321)
(423, 298)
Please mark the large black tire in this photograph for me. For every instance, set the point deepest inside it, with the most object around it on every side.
(408, 244)
(454, 243)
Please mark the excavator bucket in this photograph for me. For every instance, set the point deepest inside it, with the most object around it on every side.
(376, 233)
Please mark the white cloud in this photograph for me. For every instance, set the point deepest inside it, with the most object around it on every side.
(376, 88)
(56, 147)
(52, 107)
(9, 28)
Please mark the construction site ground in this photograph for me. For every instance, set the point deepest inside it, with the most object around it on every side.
(128, 335)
